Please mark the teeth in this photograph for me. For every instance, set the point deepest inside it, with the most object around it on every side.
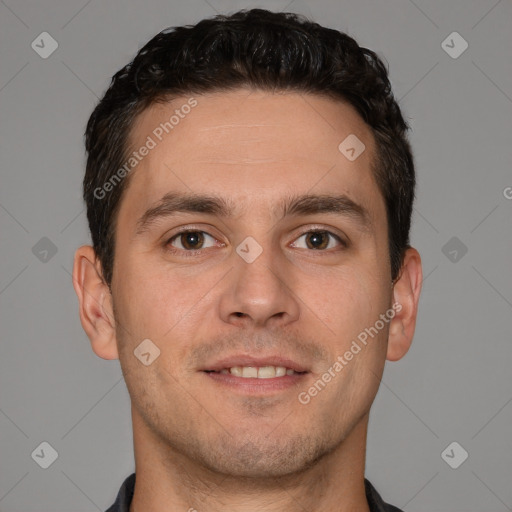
(264, 372)
(236, 371)
(280, 371)
(249, 371)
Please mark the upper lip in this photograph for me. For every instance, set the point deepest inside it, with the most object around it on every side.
(246, 360)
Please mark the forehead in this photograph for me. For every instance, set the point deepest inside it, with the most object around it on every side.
(252, 146)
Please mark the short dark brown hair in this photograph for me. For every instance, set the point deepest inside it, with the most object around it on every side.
(258, 49)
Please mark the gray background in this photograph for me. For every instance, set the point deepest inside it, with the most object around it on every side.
(455, 383)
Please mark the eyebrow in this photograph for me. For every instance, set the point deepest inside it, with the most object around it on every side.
(294, 205)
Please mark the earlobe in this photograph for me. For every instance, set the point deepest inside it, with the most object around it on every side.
(406, 294)
(95, 303)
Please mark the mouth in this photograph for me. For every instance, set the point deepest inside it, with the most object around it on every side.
(255, 372)
(250, 375)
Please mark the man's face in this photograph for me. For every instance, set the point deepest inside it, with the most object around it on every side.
(209, 300)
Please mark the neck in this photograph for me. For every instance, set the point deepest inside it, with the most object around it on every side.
(169, 480)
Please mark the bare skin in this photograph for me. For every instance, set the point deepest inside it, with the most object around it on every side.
(201, 443)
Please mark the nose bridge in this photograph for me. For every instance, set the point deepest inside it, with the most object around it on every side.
(259, 289)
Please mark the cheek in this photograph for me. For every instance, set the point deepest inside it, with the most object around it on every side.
(156, 302)
(349, 300)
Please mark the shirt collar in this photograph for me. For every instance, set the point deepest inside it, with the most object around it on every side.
(125, 495)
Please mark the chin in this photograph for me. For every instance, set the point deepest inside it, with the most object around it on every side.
(263, 460)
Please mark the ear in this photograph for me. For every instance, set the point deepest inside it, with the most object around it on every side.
(95, 303)
(406, 294)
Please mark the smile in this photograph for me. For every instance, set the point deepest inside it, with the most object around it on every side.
(254, 372)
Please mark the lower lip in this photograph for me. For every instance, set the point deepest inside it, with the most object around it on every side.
(255, 386)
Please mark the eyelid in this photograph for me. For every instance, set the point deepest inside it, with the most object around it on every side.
(336, 233)
(205, 228)
(342, 239)
(190, 229)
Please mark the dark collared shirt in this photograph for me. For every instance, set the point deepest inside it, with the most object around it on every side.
(125, 495)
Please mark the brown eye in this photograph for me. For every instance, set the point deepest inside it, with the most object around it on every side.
(319, 240)
(189, 240)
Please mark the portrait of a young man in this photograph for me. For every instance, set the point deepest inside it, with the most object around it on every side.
(249, 188)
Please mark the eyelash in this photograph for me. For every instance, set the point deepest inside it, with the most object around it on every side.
(197, 252)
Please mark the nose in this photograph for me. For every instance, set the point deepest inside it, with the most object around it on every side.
(259, 293)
